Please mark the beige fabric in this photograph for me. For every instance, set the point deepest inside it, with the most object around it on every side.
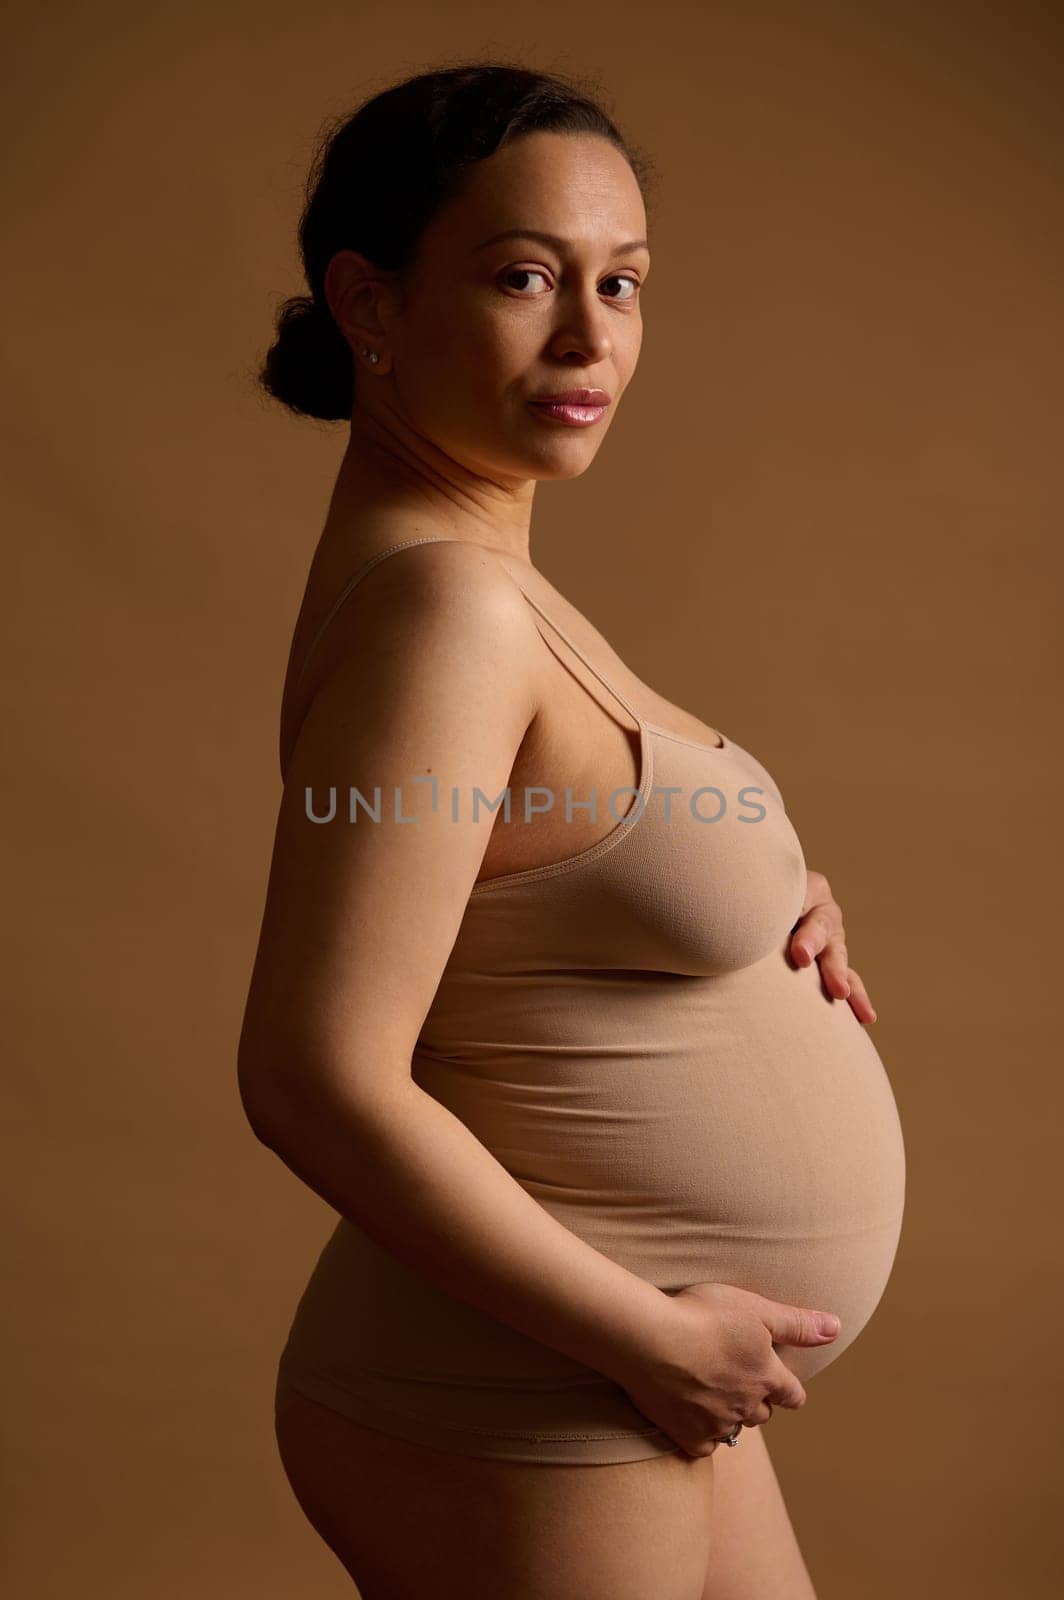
(624, 1032)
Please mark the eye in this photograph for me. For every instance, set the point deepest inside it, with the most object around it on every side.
(631, 281)
(524, 272)
(534, 272)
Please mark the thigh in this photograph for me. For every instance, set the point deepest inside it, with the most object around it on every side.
(753, 1550)
(413, 1523)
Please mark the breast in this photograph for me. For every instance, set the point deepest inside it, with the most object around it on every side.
(705, 878)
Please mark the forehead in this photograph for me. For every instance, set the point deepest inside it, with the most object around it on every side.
(579, 186)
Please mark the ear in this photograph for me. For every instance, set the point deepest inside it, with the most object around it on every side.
(355, 289)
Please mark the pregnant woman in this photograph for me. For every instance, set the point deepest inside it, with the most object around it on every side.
(546, 1005)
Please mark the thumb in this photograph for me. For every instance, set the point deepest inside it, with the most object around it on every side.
(799, 1325)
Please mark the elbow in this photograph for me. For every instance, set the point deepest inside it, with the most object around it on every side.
(254, 1106)
(262, 1092)
(284, 1093)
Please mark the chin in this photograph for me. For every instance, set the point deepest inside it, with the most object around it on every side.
(553, 463)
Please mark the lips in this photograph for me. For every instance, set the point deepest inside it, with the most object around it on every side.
(573, 397)
(564, 411)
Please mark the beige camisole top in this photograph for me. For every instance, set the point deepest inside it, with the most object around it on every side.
(625, 1032)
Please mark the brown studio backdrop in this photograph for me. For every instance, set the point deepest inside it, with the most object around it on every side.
(826, 520)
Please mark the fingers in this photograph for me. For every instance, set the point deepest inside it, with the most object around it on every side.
(835, 968)
(816, 931)
(862, 1007)
(786, 1391)
(761, 1414)
(798, 1325)
(819, 936)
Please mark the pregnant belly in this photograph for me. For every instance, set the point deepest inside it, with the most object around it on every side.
(754, 1140)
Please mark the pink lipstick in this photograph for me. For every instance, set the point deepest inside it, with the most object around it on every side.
(577, 407)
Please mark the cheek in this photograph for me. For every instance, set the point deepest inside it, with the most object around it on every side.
(627, 345)
(493, 336)
(466, 357)
(432, 372)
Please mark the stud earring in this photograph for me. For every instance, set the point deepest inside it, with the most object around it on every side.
(372, 354)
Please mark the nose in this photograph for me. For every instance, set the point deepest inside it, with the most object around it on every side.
(583, 331)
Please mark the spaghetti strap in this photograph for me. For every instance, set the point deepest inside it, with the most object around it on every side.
(354, 580)
(580, 655)
(435, 538)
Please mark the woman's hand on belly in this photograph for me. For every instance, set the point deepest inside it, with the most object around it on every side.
(716, 1364)
(819, 936)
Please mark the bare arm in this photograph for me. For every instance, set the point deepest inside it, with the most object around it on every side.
(440, 676)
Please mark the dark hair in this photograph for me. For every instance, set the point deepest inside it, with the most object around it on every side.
(379, 176)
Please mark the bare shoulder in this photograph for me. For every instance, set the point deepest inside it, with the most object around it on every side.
(452, 581)
(449, 605)
(445, 608)
(449, 584)
(441, 562)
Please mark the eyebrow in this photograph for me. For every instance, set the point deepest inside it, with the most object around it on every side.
(553, 240)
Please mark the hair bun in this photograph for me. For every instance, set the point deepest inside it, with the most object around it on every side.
(309, 365)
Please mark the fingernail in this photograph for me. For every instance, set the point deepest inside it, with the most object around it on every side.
(826, 1323)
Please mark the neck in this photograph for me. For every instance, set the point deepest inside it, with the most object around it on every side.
(392, 478)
